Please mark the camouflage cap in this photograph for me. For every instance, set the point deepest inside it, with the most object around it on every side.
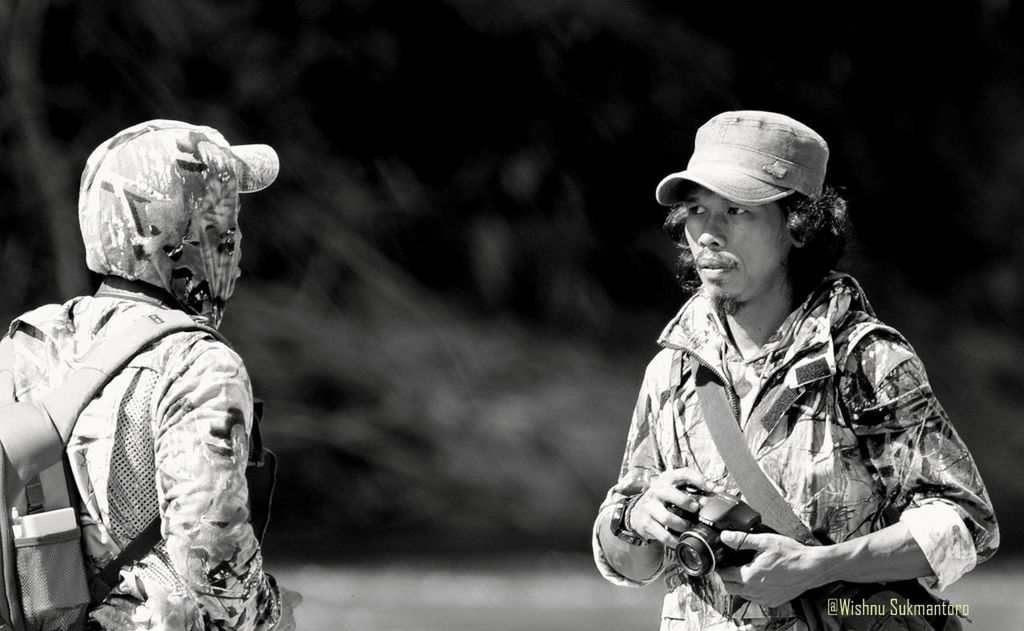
(158, 202)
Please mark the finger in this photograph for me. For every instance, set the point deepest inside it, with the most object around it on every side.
(662, 504)
(682, 494)
(738, 540)
(679, 498)
(670, 520)
(649, 522)
(661, 534)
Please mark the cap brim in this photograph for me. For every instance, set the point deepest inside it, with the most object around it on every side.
(734, 186)
(260, 166)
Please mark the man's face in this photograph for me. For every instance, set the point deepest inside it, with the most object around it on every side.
(740, 251)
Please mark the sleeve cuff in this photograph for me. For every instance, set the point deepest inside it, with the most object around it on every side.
(605, 567)
(942, 536)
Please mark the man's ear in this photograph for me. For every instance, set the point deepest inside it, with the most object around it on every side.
(796, 241)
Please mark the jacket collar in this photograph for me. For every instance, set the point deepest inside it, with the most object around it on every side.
(117, 287)
(698, 330)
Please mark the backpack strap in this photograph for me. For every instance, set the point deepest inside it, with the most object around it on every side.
(104, 361)
(35, 434)
(260, 475)
(103, 583)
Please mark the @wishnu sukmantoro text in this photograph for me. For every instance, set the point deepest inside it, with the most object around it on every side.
(893, 607)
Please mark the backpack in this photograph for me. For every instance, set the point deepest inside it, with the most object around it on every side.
(43, 582)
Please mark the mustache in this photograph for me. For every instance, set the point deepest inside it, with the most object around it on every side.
(716, 260)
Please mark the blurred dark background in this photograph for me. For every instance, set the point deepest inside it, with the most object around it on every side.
(450, 293)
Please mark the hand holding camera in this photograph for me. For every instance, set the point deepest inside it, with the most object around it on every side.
(700, 549)
(681, 510)
(650, 516)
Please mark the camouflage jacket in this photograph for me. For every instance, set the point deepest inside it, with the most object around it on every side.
(189, 401)
(868, 438)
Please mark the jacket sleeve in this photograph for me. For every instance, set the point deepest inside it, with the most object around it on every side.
(926, 470)
(641, 462)
(201, 445)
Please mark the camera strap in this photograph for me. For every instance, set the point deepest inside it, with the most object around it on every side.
(757, 489)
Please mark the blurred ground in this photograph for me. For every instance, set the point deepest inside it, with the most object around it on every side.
(545, 593)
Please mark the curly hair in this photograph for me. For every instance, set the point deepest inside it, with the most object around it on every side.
(820, 224)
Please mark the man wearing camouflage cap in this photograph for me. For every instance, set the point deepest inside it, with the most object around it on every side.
(168, 436)
(833, 406)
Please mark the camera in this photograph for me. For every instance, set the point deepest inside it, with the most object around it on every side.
(700, 548)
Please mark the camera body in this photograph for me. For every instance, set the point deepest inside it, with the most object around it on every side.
(700, 548)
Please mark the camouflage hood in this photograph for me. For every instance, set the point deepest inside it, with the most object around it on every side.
(159, 203)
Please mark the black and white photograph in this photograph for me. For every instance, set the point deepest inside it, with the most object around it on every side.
(368, 315)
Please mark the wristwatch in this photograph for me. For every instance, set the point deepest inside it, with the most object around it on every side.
(619, 526)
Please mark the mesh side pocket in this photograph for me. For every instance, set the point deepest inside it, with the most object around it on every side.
(51, 573)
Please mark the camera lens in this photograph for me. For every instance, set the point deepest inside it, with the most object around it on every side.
(695, 555)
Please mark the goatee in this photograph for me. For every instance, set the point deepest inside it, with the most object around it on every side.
(722, 303)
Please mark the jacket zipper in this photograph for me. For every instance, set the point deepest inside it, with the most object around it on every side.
(734, 401)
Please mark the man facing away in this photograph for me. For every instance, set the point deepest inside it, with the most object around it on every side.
(866, 457)
(168, 436)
